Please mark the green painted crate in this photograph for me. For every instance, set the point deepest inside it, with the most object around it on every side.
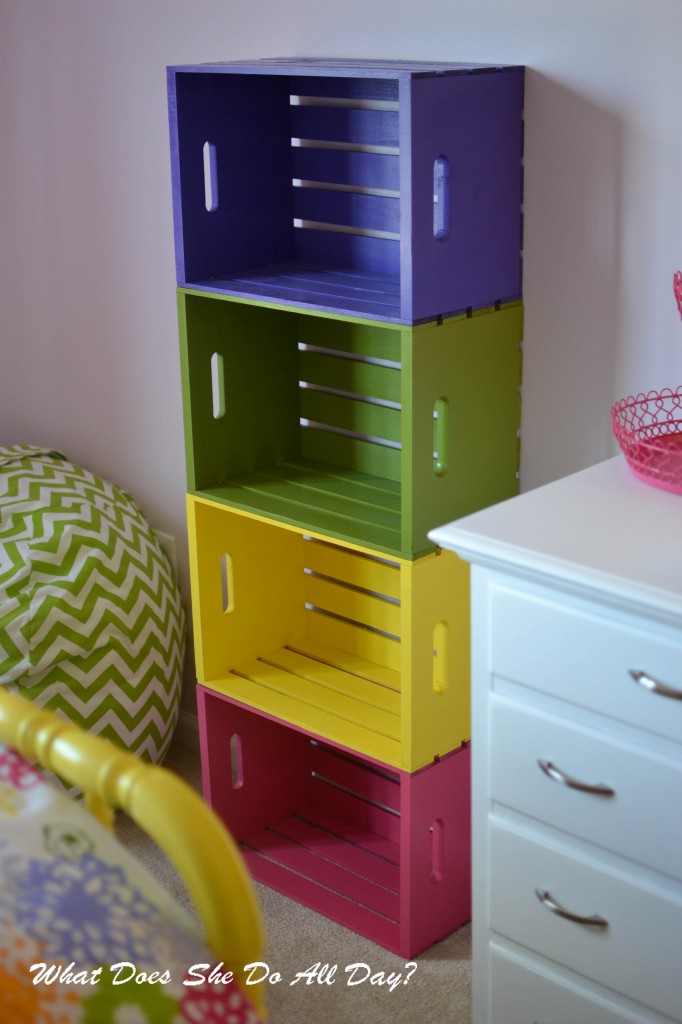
(370, 433)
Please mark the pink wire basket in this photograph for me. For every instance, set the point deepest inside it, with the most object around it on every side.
(648, 429)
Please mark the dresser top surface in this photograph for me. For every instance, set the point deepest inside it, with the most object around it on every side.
(600, 529)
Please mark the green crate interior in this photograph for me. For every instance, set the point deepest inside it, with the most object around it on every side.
(370, 433)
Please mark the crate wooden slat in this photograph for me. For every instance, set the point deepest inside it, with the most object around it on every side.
(383, 852)
(329, 422)
(298, 153)
(370, 653)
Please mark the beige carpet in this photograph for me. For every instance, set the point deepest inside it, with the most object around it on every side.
(437, 991)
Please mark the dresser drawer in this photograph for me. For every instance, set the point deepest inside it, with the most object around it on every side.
(527, 993)
(636, 795)
(636, 954)
(570, 650)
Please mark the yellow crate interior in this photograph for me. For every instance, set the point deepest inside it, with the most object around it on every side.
(364, 650)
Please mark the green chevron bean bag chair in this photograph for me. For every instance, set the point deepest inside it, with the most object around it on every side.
(91, 621)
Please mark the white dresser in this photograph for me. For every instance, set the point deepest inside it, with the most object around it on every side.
(577, 751)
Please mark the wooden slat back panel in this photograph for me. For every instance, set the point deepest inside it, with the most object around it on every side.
(373, 341)
(346, 167)
(349, 397)
(347, 138)
(359, 88)
(355, 639)
(373, 784)
(345, 850)
(350, 375)
(346, 566)
(353, 605)
(351, 125)
(352, 209)
(351, 453)
(350, 414)
(361, 252)
(355, 808)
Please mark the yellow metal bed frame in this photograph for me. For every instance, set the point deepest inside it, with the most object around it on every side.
(165, 807)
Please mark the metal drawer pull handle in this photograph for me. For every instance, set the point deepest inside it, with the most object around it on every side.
(655, 686)
(547, 900)
(598, 788)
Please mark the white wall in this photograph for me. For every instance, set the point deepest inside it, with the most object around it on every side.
(88, 350)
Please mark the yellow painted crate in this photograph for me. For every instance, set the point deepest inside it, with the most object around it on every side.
(367, 651)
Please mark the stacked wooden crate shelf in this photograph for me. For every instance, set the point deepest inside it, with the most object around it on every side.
(348, 241)
(335, 639)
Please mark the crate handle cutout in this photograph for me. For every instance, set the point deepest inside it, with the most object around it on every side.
(440, 436)
(227, 583)
(440, 658)
(442, 206)
(236, 761)
(210, 177)
(218, 385)
(436, 835)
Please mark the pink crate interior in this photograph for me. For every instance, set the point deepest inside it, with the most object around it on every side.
(381, 851)
(648, 429)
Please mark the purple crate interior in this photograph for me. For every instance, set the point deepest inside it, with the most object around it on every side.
(314, 183)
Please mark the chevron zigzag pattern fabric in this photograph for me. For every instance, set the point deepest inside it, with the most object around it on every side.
(91, 620)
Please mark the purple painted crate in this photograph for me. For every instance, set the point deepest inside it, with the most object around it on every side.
(384, 852)
(390, 191)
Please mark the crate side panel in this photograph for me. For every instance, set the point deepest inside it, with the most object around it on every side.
(474, 364)
(187, 378)
(275, 766)
(258, 424)
(175, 176)
(246, 118)
(475, 121)
(263, 608)
(436, 853)
(436, 658)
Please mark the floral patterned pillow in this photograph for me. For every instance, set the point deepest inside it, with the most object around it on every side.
(87, 935)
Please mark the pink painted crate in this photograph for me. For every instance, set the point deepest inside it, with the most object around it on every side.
(381, 851)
